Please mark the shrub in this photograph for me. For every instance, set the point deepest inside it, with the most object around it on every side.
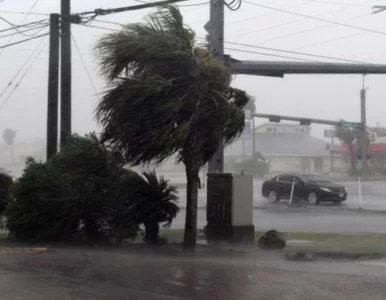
(6, 182)
(51, 198)
(86, 183)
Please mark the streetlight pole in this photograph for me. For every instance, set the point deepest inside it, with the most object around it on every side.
(364, 143)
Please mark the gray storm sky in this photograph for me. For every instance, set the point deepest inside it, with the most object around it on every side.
(327, 96)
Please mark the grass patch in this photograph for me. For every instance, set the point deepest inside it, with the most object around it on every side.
(3, 235)
(363, 244)
(173, 235)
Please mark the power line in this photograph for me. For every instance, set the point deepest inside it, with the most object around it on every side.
(287, 23)
(22, 13)
(197, 4)
(339, 3)
(84, 64)
(295, 52)
(334, 39)
(108, 22)
(20, 69)
(23, 41)
(272, 55)
(251, 46)
(25, 25)
(14, 27)
(99, 27)
(98, 12)
(38, 28)
(22, 77)
(317, 19)
(22, 22)
(309, 30)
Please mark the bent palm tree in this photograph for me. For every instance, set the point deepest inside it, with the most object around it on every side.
(166, 96)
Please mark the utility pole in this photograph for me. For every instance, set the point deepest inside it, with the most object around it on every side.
(215, 29)
(53, 88)
(253, 139)
(65, 74)
(364, 144)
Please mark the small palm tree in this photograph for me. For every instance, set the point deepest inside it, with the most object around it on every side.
(157, 205)
(167, 96)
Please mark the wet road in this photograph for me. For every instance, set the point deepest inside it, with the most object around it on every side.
(103, 275)
(373, 195)
(306, 219)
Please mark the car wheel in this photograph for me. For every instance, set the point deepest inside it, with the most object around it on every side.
(273, 196)
(313, 198)
(338, 202)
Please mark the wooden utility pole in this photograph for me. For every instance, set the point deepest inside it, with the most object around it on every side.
(53, 88)
(65, 72)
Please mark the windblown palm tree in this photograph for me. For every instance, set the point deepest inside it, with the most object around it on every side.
(166, 96)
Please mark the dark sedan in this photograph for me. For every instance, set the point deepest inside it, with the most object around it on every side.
(309, 187)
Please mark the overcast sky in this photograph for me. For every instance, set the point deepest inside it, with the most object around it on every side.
(328, 96)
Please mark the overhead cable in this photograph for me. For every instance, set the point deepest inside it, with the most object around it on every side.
(22, 77)
(84, 64)
(36, 23)
(296, 53)
(23, 41)
(21, 68)
(271, 55)
(316, 18)
(38, 28)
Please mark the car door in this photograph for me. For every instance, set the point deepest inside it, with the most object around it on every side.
(284, 183)
(300, 189)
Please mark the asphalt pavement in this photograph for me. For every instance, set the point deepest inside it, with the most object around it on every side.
(373, 195)
(91, 274)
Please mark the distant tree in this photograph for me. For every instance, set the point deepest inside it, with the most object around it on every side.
(348, 136)
(167, 96)
(9, 137)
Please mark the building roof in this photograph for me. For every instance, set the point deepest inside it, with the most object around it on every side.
(281, 143)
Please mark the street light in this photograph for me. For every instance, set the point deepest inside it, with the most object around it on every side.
(249, 116)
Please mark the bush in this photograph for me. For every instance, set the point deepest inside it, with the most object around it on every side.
(6, 182)
(87, 184)
(50, 199)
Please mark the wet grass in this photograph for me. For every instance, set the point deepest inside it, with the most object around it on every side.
(372, 245)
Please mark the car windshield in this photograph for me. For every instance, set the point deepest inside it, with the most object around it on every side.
(315, 178)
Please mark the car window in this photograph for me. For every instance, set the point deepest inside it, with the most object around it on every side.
(286, 178)
(298, 180)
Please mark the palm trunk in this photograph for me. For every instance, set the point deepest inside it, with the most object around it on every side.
(190, 234)
(151, 233)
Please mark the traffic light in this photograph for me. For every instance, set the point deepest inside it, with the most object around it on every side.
(305, 122)
(275, 119)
